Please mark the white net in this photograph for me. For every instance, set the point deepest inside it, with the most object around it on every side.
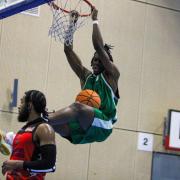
(64, 25)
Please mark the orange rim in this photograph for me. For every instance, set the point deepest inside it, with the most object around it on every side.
(56, 7)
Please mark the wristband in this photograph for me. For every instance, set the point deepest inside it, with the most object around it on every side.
(95, 22)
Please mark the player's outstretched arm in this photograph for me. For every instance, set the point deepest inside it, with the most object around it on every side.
(99, 47)
(73, 59)
(75, 62)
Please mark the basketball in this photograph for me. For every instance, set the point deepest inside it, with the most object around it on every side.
(89, 97)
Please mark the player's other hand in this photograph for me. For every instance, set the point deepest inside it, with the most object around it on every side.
(11, 165)
(74, 15)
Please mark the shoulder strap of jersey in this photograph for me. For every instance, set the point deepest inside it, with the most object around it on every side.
(36, 121)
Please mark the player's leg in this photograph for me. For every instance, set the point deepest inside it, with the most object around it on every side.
(81, 124)
(61, 119)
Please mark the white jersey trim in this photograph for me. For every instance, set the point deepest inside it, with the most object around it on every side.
(86, 80)
(112, 92)
(42, 170)
(102, 124)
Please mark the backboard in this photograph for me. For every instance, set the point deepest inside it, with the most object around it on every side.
(11, 7)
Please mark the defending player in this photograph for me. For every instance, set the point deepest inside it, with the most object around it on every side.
(33, 147)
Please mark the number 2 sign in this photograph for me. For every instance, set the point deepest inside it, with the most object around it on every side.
(145, 142)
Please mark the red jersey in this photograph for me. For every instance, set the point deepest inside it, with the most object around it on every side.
(24, 148)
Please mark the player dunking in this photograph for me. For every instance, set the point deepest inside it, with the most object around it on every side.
(80, 123)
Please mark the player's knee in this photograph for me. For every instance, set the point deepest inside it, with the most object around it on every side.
(84, 114)
(78, 107)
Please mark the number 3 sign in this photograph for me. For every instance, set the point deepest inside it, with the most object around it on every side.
(145, 142)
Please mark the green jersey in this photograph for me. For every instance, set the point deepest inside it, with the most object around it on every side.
(108, 98)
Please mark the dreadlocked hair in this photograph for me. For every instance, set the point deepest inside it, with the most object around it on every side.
(38, 100)
(108, 48)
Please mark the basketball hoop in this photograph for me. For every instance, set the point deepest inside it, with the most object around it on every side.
(64, 24)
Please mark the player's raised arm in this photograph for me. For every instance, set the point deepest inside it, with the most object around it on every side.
(75, 62)
(71, 56)
(99, 46)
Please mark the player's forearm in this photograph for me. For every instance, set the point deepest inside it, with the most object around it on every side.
(97, 37)
(96, 34)
(72, 57)
(73, 60)
(47, 162)
(68, 40)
